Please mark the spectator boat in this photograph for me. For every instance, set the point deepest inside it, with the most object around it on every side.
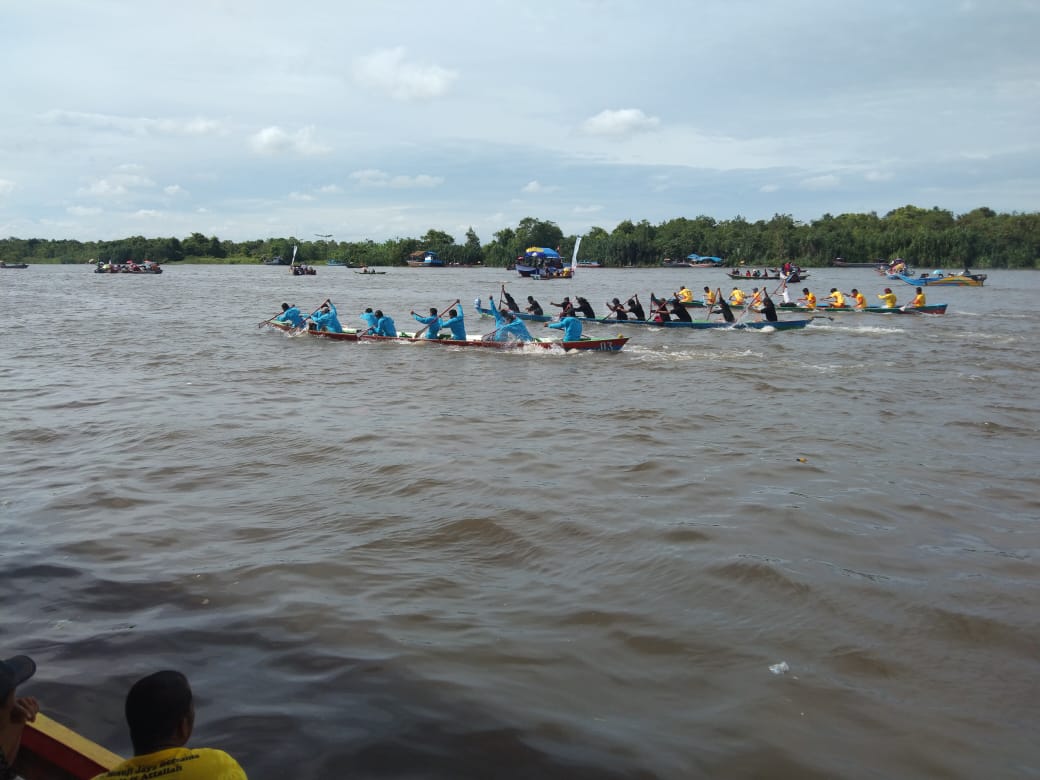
(938, 278)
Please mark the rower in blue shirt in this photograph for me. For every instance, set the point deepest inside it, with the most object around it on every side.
(433, 323)
(370, 318)
(325, 318)
(570, 325)
(292, 315)
(384, 325)
(510, 327)
(455, 324)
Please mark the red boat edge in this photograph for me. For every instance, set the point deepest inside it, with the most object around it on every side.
(52, 751)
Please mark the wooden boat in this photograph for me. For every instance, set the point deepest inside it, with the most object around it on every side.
(600, 345)
(794, 278)
(934, 280)
(590, 264)
(13, 265)
(694, 325)
(540, 263)
(51, 751)
(125, 268)
(839, 263)
(369, 273)
(423, 259)
(930, 308)
(613, 344)
(346, 335)
(695, 261)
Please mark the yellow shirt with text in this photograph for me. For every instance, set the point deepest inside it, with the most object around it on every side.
(178, 764)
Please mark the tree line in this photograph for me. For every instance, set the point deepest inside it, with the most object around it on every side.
(981, 238)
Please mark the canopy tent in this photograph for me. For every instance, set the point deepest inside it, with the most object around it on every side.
(701, 258)
(541, 252)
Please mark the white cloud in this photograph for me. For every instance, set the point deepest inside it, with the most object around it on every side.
(593, 209)
(302, 196)
(386, 71)
(536, 186)
(769, 188)
(622, 122)
(826, 182)
(134, 125)
(6, 186)
(330, 189)
(175, 190)
(376, 178)
(146, 214)
(83, 211)
(274, 141)
(878, 176)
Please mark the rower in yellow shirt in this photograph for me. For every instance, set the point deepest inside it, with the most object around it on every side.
(685, 295)
(756, 297)
(709, 297)
(736, 298)
(808, 298)
(859, 299)
(888, 298)
(918, 300)
(836, 298)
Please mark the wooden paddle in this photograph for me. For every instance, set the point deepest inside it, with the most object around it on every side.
(298, 331)
(711, 307)
(418, 333)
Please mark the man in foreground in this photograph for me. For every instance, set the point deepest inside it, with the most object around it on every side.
(14, 713)
(161, 714)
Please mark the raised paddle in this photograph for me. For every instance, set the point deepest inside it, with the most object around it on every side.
(418, 333)
(298, 331)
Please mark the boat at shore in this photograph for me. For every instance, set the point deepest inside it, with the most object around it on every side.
(424, 259)
(13, 265)
(613, 344)
(51, 751)
(940, 279)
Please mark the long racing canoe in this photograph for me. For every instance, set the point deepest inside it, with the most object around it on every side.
(931, 280)
(586, 344)
(719, 324)
(614, 344)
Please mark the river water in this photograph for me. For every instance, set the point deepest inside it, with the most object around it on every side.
(714, 554)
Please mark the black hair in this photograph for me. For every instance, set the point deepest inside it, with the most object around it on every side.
(155, 707)
(285, 307)
(433, 311)
(368, 310)
(379, 312)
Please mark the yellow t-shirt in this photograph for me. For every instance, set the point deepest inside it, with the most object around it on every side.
(686, 296)
(178, 764)
(837, 300)
(918, 300)
(861, 301)
(737, 296)
(888, 300)
(810, 301)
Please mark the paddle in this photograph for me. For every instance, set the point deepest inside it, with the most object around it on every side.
(298, 331)
(269, 319)
(418, 333)
(711, 306)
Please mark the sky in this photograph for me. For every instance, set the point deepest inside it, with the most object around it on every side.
(250, 119)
